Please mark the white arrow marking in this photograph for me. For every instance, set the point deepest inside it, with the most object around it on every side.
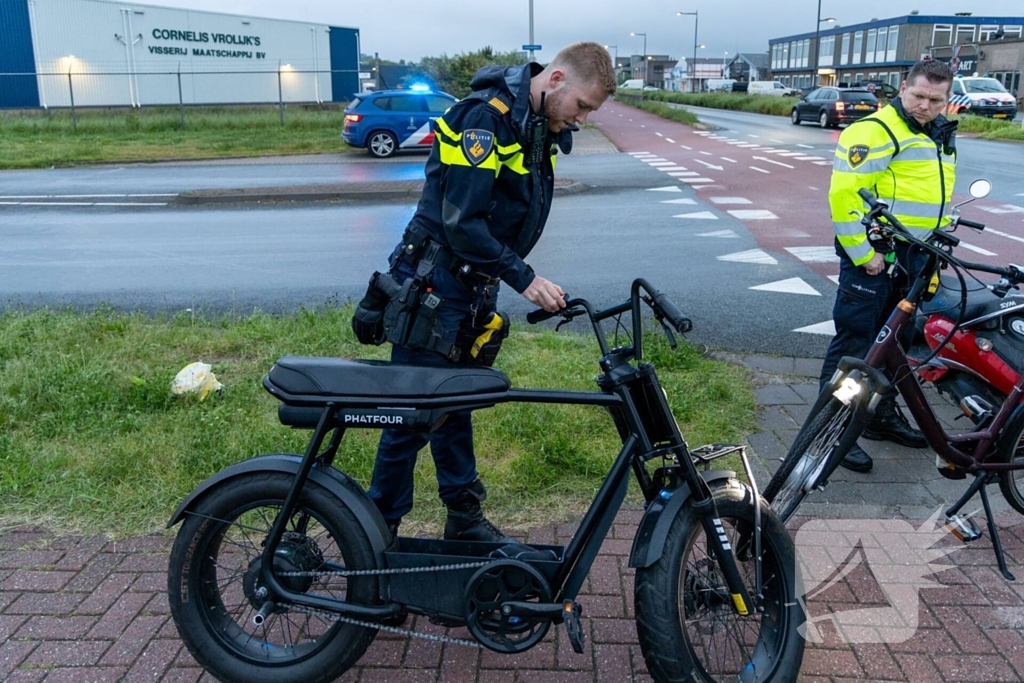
(670, 188)
(772, 161)
(717, 168)
(814, 254)
(752, 256)
(684, 200)
(793, 285)
(827, 328)
(724, 234)
(700, 215)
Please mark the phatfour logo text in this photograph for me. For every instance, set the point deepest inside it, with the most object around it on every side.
(374, 419)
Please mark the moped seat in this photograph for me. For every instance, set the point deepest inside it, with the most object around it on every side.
(343, 377)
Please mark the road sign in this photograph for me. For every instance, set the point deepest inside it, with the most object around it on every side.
(534, 48)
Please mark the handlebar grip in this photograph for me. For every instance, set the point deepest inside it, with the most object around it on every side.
(539, 316)
(673, 314)
(869, 198)
(970, 224)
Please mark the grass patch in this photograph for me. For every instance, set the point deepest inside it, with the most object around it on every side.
(990, 129)
(91, 440)
(37, 139)
(757, 104)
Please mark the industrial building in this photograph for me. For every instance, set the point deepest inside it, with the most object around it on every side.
(101, 53)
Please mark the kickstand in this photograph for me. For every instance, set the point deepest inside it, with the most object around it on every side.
(996, 545)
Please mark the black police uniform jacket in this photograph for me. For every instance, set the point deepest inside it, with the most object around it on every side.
(482, 198)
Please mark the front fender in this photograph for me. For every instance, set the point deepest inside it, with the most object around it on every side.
(347, 491)
(649, 541)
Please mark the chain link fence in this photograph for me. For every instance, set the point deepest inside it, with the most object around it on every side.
(77, 89)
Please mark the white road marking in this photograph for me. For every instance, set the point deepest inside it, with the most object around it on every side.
(977, 250)
(670, 140)
(768, 149)
(687, 148)
(697, 180)
(699, 215)
(834, 278)
(54, 203)
(684, 200)
(731, 161)
(805, 146)
(707, 153)
(130, 204)
(753, 214)
(812, 187)
(656, 160)
(684, 174)
(736, 142)
(779, 142)
(761, 170)
(772, 161)
(1004, 234)
(724, 234)
(673, 168)
(808, 158)
(827, 328)
(791, 154)
(640, 154)
(751, 256)
(793, 285)
(670, 188)
(717, 168)
(657, 164)
(822, 163)
(729, 200)
(659, 135)
(814, 254)
(748, 145)
(1003, 209)
(82, 196)
(751, 135)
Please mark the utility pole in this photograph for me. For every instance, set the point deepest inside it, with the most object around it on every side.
(531, 29)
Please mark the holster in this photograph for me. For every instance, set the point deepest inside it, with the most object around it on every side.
(484, 342)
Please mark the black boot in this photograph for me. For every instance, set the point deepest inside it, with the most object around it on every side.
(890, 424)
(856, 460)
(466, 521)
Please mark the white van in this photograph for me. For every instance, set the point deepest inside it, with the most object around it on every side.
(720, 84)
(773, 88)
(982, 96)
(633, 84)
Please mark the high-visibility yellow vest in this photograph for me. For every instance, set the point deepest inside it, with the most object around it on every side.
(907, 170)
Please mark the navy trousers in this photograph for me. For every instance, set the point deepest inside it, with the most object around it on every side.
(451, 445)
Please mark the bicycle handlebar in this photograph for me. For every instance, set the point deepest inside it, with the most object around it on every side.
(970, 224)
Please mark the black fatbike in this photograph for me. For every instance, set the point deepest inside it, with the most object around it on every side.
(283, 570)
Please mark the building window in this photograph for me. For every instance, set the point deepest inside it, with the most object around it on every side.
(964, 33)
(870, 56)
(894, 79)
(826, 51)
(986, 31)
(880, 46)
(859, 78)
(942, 35)
(807, 51)
(894, 37)
(872, 76)
(844, 56)
(858, 44)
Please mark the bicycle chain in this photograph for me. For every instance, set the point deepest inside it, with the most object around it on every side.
(332, 616)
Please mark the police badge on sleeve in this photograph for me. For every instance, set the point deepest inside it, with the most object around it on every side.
(477, 144)
(857, 155)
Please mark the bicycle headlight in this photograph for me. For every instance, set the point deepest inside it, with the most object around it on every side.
(848, 390)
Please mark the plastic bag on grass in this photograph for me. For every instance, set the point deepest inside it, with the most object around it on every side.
(196, 379)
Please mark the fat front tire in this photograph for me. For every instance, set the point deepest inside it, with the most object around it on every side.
(686, 624)
(825, 437)
(382, 144)
(213, 583)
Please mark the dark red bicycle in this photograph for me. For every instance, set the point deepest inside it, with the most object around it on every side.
(993, 450)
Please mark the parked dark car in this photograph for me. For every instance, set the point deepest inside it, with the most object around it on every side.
(831, 106)
(389, 120)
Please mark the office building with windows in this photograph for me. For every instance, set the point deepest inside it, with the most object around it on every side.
(884, 50)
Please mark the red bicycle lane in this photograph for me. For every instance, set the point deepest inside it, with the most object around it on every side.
(783, 188)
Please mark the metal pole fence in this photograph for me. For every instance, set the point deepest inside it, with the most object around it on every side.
(71, 93)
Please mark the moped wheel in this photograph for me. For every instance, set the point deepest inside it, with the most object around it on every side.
(687, 627)
(213, 583)
(1011, 484)
(827, 435)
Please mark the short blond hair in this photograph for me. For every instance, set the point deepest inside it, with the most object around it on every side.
(588, 62)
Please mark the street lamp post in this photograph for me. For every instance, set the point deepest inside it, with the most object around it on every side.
(635, 33)
(725, 59)
(616, 60)
(695, 18)
(817, 43)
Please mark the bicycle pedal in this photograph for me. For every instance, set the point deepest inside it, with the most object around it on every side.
(571, 612)
(963, 528)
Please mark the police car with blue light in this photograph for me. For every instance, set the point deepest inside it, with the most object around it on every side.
(387, 121)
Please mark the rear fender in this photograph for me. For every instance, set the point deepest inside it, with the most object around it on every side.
(347, 491)
(649, 541)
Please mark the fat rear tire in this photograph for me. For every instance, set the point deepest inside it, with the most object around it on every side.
(210, 569)
(687, 628)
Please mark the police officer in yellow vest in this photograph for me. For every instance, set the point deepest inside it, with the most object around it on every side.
(906, 155)
(488, 190)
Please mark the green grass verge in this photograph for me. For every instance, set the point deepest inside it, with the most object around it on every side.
(991, 129)
(91, 439)
(43, 139)
(757, 104)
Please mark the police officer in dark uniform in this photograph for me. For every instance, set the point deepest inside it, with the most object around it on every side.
(488, 190)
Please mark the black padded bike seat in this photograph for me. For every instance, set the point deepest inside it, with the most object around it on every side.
(980, 302)
(341, 377)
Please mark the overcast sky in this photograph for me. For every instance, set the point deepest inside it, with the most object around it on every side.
(411, 29)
